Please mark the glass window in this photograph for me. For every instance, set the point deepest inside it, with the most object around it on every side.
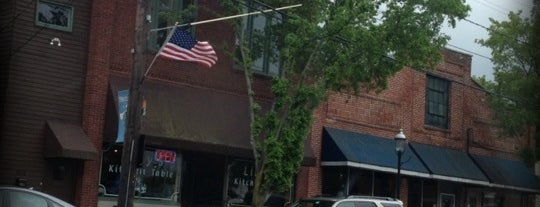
(365, 204)
(346, 204)
(360, 182)
(2, 197)
(166, 13)
(334, 181)
(260, 40)
(391, 205)
(415, 191)
(429, 193)
(158, 176)
(26, 199)
(437, 102)
(384, 184)
(313, 203)
(54, 15)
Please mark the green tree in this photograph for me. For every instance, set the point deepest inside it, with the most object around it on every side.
(515, 98)
(352, 45)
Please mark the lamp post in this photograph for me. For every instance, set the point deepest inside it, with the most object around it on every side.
(401, 141)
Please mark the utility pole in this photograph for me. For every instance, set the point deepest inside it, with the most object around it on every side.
(134, 112)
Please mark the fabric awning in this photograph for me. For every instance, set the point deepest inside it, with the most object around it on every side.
(346, 148)
(68, 140)
(192, 118)
(449, 164)
(509, 174)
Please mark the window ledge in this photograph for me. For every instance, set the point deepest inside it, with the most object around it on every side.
(434, 128)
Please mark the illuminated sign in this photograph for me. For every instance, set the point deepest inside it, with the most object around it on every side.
(165, 156)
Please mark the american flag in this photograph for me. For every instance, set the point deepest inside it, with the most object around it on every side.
(182, 46)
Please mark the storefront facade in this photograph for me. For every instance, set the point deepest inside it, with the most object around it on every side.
(357, 164)
(454, 156)
(196, 148)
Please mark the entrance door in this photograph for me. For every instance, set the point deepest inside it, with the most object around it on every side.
(203, 179)
(60, 178)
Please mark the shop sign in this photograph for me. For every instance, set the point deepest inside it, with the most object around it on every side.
(241, 181)
(155, 178)
(122, 114)
(165, 156)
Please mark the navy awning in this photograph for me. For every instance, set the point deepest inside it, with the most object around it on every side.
(508, 173)
(449, 164)
(346, 148)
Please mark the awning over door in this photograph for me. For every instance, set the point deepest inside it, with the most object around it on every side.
(196, 119)
(68, 140)
(346, 148)
(448, 164)
(508, 173)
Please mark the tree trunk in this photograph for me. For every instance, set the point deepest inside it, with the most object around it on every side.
(259, 196)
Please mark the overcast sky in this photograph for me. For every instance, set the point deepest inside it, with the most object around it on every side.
(465, 32)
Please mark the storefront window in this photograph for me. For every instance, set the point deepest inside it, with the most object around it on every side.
(415, 191)
(384, 184)
(360, 182)
(241, 178)
(241, 181)
(334, 181)
(157, 177)
(430, 193)
(447, 200)
(492, 199)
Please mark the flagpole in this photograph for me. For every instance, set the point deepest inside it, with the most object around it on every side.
(160, 49)
(228, 17)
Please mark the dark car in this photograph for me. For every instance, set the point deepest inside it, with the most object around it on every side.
(22, 197)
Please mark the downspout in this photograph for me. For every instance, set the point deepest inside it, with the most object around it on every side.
(470, 136)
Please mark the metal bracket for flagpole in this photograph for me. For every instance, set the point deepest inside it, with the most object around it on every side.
(228, 17)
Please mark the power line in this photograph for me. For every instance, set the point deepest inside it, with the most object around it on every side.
(477, 24)
(474, 53)
(494, 8)
(16, 50)
(520, 41)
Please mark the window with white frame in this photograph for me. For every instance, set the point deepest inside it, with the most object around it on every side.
(437, 93)
(260, 40)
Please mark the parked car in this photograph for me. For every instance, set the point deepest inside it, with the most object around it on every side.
(22, 197)
(351, 201)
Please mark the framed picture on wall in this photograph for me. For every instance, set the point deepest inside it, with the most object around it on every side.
(54, 15)
(447, 200)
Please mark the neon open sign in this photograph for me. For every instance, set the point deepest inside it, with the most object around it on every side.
(165, 156)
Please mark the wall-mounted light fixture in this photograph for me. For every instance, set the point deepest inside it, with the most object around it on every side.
(56, 41)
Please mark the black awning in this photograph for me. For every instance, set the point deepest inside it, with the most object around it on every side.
(67, 140)
(449, 164)
(508, 173)
(193, 118)
(346, 148)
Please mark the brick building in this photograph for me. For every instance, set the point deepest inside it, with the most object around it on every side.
(454, 157)
(66, 80)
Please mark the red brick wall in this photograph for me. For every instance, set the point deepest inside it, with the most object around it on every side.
(97, 76)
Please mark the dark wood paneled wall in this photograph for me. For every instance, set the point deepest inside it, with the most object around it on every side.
(40, 81)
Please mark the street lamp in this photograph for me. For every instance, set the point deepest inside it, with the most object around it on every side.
(401, 141)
